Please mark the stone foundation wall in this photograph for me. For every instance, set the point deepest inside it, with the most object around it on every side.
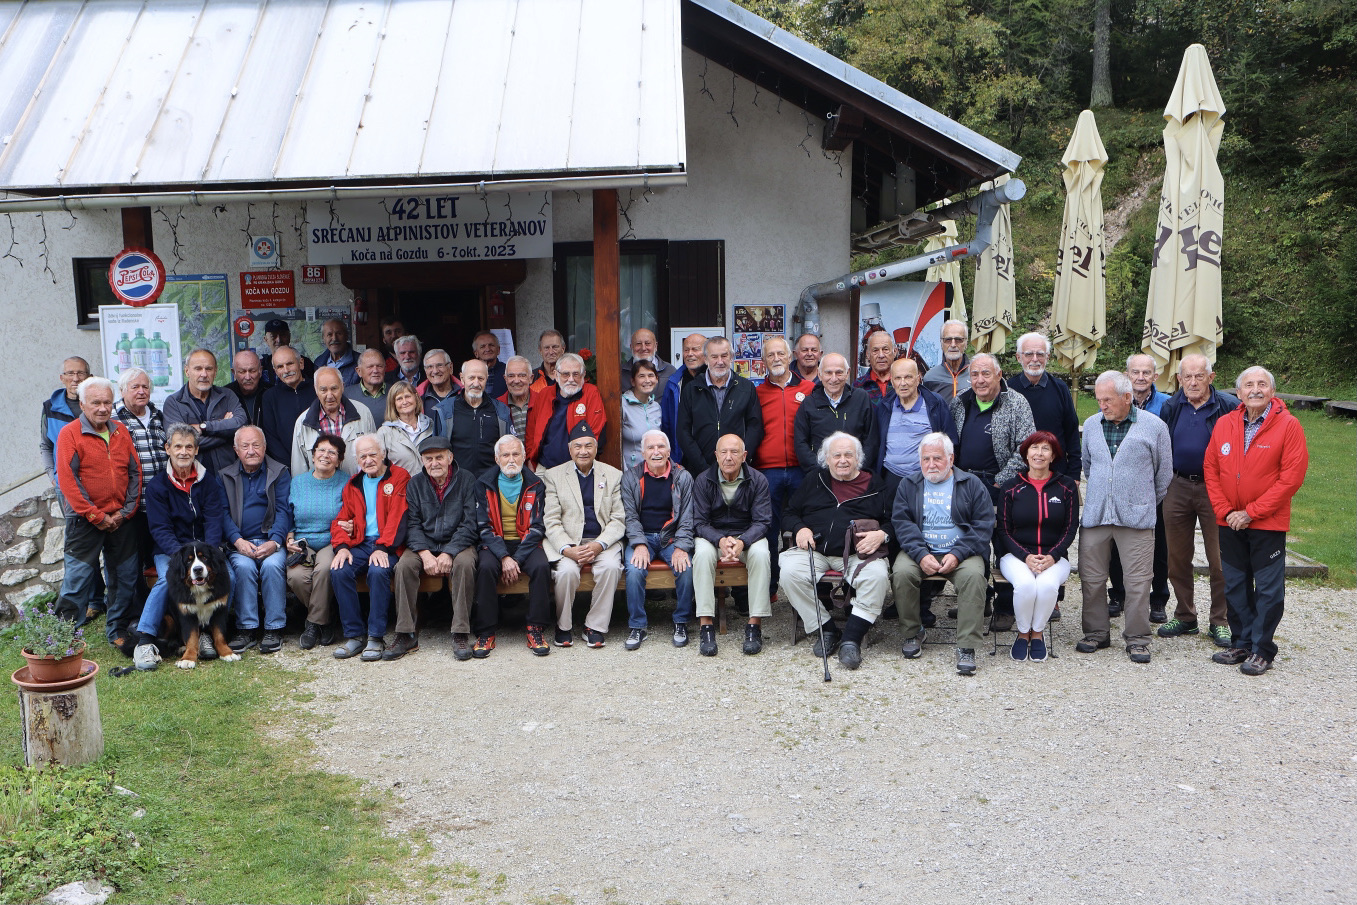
(32, 539)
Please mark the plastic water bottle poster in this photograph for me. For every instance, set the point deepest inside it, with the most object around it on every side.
(145, 338)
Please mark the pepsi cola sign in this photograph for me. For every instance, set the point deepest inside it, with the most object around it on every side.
(136, 276)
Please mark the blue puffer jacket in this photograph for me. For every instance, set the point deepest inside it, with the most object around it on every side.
(56, 414)
(176, 517)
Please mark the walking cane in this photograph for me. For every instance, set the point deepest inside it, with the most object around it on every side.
(815, 602)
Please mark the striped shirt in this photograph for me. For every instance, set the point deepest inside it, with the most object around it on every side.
(149, 439)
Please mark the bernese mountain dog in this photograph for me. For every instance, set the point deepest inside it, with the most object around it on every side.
(199, 587)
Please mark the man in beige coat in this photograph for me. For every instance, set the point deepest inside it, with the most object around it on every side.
(584, 527)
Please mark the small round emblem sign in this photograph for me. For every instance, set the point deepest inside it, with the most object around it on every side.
(136, 276)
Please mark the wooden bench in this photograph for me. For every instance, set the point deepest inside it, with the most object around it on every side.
(1298, 401)
(1341, 409)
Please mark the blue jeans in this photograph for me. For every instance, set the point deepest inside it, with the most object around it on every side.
(636, 584)
(344, 582)
(81, 577)
(247, 575)
(782, 483)
(154, 610)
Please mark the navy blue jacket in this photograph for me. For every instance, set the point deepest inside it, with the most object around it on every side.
(1053, 410)
(175, 517)
(939, 419)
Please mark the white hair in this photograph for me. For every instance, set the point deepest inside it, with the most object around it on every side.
(975, 359)
(374, 437)
(93, 383)
(569, 358)
(1135, 355)
(126, 378)
(656, 433)
(937, 438)
(1027, 337)
(1238, 381)
(235, 441)
(822, 457)
(521, 358)
(408, 339)
(1194, 356)
(1121, 384)
(507, 438)
(953, 322)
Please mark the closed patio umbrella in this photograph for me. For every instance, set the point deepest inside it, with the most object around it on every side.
(1079, 306)
(949, 272)
(995, 298)
(1183, 313)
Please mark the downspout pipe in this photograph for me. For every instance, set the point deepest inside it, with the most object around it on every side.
(984, 205)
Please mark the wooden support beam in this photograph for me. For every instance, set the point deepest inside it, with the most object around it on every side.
(607, 301)
(137, 228)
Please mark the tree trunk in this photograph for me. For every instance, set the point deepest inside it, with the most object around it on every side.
(61, 728)
(1101, 95)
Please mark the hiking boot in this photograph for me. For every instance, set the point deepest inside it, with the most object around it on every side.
(1230, 657)
(376, 646)
(1255, 666)
(680, 634)
(461, 646)
(1055, 614)
(145, 657)
(634, 638)
(1115, 606)
(965, 661)
(913, 647)
(1036, 649)
(1001, 622)
(564, 638)
(310, 637)
(271, 643)
(706, 645)
(206, 649)
(592, 638)
(244, 640)
(327, 635)
(1138, 653)
(1222, 635)
(1090, 644)
(1175, 627)
(351, 647)
(826, 645)
(1019, 649)
(405, 643)
(536, 643)
(850, 655)
(484, 645)
(1158, 615)
(753, 639)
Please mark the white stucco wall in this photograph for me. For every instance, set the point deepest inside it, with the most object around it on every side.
(38, 316)
(783, 213)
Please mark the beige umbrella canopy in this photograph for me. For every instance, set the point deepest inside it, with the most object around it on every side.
(995, 297)
(1183, 315)
(949, 272)
(1079, 307)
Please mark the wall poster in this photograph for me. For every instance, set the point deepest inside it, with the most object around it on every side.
(753, 325)
(146, 338)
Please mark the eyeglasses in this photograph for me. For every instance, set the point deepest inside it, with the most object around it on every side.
(953, 340)
(1037, 354)
(75, 373)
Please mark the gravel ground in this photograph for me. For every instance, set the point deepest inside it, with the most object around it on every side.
(601, 776)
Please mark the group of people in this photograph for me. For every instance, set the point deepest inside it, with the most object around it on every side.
(386, 469)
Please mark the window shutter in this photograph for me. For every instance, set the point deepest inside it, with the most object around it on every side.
(697, 283)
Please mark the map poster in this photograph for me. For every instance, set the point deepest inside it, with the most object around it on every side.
(203, 302)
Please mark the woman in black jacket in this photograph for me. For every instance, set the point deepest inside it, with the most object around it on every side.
(1038, 517)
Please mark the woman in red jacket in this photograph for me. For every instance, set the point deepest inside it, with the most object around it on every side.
(1038, 518)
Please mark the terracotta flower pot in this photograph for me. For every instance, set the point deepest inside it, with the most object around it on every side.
(46, 668)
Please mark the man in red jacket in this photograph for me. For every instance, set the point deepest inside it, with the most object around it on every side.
(555, 410)
(779, 396)
(99, 477)
(1254, 465)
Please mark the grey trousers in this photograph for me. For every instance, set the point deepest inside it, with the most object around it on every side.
(311, 585)
(1136, 547)
(405, 581)
(869, 588)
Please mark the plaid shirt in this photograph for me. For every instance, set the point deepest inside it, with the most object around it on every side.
(149, 439)
(333, 426)
(1115, 431)
(1251, 428)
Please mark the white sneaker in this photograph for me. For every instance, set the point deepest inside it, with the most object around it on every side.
(145, 657)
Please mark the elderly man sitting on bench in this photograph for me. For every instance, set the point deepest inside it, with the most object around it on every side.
(944, 519)
(731, 512)
(833, 497)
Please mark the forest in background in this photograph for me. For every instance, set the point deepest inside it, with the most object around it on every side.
(1019, 72)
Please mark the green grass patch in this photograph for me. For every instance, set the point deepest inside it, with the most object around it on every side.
(231, 814)
(1324, 511)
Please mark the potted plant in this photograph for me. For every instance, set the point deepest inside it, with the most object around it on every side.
(53, 646)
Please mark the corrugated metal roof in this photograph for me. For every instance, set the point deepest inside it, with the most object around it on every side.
(172, 92)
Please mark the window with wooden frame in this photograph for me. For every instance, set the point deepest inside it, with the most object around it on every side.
(91, 290)
(664, 284)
